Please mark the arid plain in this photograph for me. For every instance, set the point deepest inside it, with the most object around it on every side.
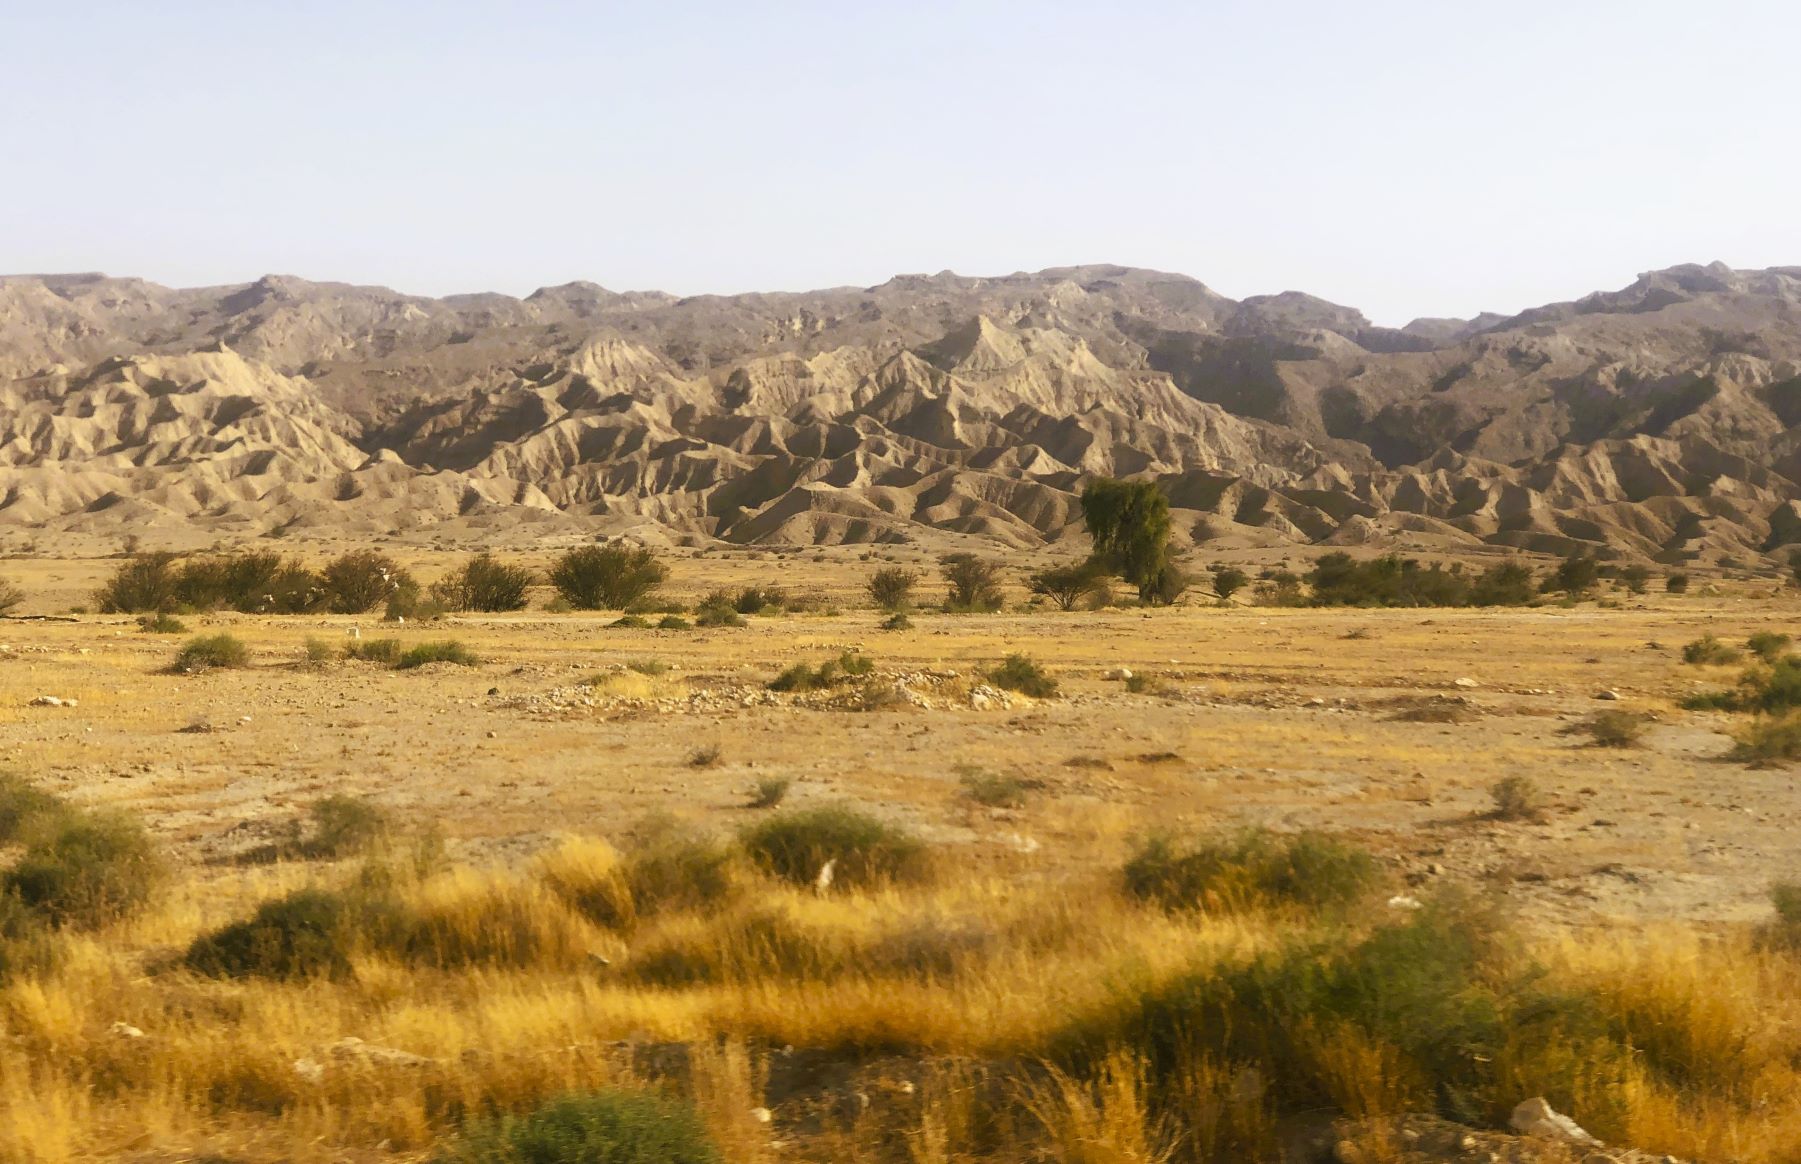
(1386, 728)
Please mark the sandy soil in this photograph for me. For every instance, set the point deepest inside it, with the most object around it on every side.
(1281, 717)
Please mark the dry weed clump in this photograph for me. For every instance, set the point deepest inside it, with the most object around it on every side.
(1057, 1017)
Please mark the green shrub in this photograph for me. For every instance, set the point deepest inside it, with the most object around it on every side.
(1019, 673)
(251, 582)
(674, 622)
(1138, 683)
(1785, 930)
(1228, 582)
(631, 622)
(651, 667)
(1250, 870)
(771, 791)
(24, 807)
(162, 624)
(861, 849)
(1709, 651)
(384, 651)
(897, 621)
(711, 616)
(607, 1127)
(316, 652)
(484, 583)
(446, 651)
(207, 652)
(307, 934)
(85, 869)
(362, 580)
(1676, 583)
(1768, 645)
(757, 599)
(1768, 740)
(144, 583)
(674, 871)
(996, 791)
(345, 825)
(891, 588)
(607, 577)
(972, 583)
(1614, 728)
(1517, 798)
(1068, 584)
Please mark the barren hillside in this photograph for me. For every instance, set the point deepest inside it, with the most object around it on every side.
(1659, 421)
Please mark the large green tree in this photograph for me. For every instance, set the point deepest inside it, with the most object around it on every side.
(1129, 522)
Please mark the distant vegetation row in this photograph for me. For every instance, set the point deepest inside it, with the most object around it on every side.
(620, 576)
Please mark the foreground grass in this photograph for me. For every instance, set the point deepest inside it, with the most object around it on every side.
(1064, 1012)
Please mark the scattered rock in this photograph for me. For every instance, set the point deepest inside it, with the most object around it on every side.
(126, 1031)
(1536, 1117)
(1466, 681)
(52, 701)
(354, 1050)
(1119, 674)
(1607, 693)
(309, 1070)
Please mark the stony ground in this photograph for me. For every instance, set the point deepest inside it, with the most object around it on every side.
(1283, 717)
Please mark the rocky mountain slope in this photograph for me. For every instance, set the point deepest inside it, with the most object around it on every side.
(1659, 421)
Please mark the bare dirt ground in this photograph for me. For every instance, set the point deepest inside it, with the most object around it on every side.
(1283, 717)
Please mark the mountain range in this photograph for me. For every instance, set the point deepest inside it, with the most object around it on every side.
(1661, 421)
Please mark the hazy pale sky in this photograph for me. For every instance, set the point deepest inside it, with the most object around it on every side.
(1406, 158)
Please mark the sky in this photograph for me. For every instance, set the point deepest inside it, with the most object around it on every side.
(1405, 158)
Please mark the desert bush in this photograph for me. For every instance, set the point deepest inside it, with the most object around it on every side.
(650, 667)
(1784, 931)
(1517, 798)
(1280, 588)
(1768, 645)
(706, 756)
(1503, 584)
(161, 624)
(24, 807)
(309, 933)
(1229, 581)
(1773, 689)
(1635, 578)
(1768, 740)
(802, 677)
(1254, 869)
(891, 588)
(252, 582)
(343, 825)
(384, 651)
(607, 577)
(606, 1127)
(1676, 583)
(316, 652)
(631, 622)
(1139, 683)
(444, 651)
(1709, 651)
(484, 583)
(897, 621)
(10, 597)
(144, 583)
(771, 791)
(973, 583)
(360, 581)
(1068, 584)
(85, 869)
(673, 871)
(715, 616)
(209, 652)
(1020, 673)
(674, 622)
(1574, 577)
(757, 599)
(1614, 728)
(860, 849)
(993, 790)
